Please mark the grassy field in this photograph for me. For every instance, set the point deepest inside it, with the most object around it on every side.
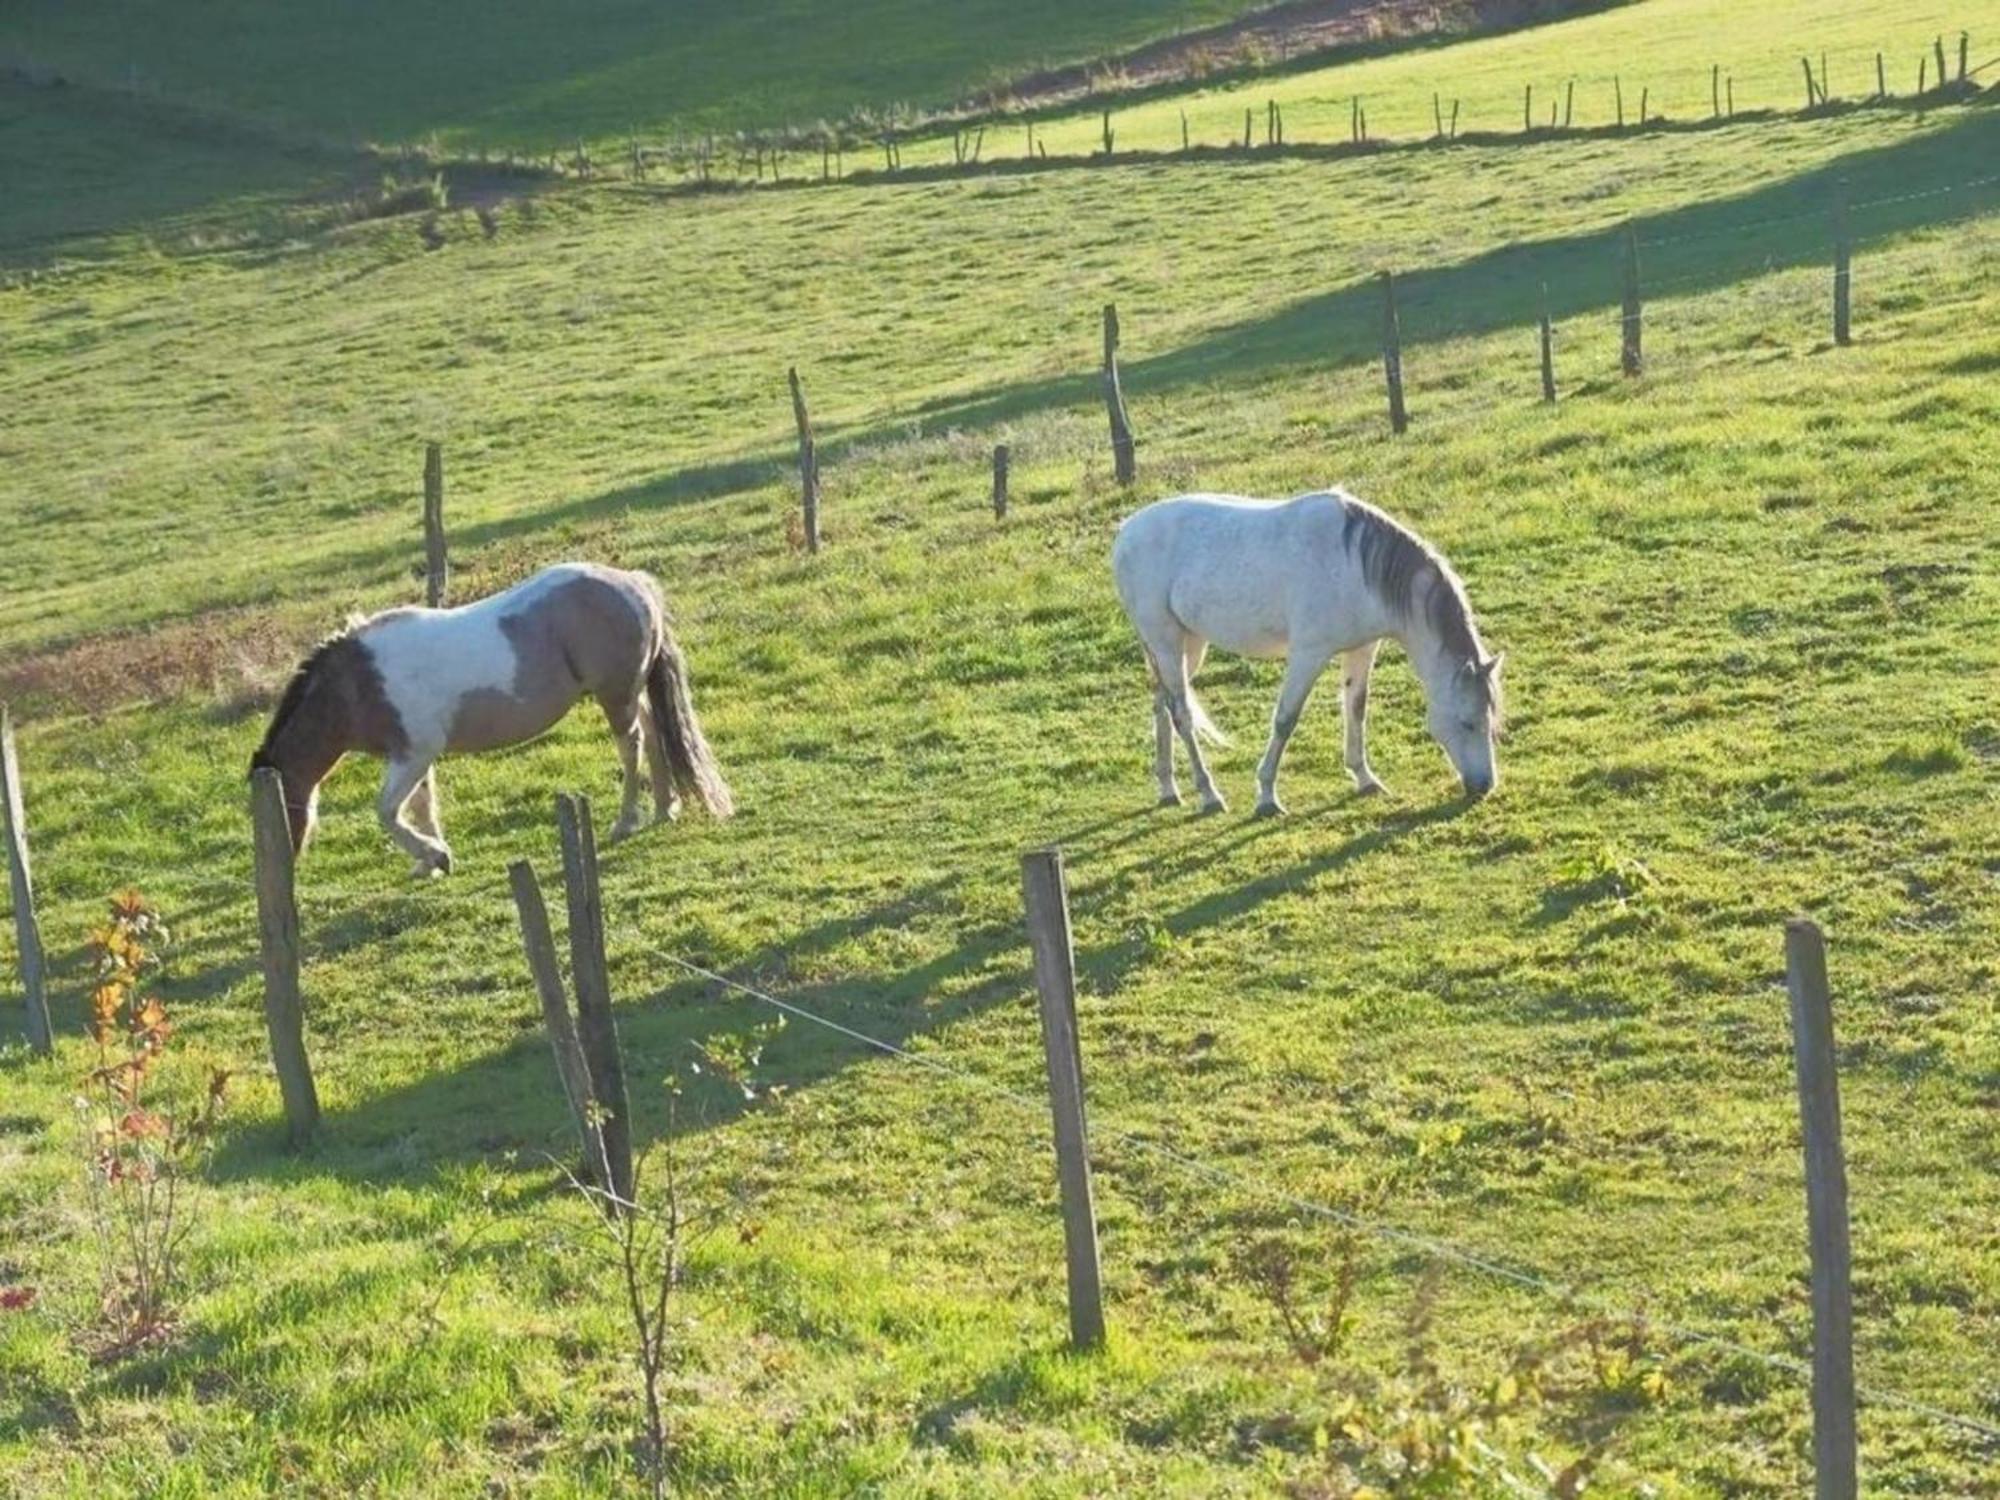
(464, 73)
(1747, 604)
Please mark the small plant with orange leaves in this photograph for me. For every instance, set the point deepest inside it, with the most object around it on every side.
(141, 1152)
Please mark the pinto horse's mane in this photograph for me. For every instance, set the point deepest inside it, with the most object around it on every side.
(1394, 560)
(295, 691)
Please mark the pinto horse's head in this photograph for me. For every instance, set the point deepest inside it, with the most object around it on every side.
(309, 732)
(1465, 719)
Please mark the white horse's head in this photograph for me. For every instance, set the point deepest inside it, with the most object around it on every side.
(1465, 719)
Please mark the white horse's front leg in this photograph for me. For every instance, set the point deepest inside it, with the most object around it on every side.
(405, 775)
(1355, 667)
(1302, 669)
(1163, 749)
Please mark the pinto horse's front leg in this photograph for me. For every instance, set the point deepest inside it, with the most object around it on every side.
(407, 773)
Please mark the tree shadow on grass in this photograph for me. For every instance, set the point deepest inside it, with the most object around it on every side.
(508, 1099)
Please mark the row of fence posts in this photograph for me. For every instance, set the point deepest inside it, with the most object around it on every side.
(1124, 444)
(968, 138)
(1046, 898)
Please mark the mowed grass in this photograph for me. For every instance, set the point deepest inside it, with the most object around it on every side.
(1660, 54)
(1747, 604)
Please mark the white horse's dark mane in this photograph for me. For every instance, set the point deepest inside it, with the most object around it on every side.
(1394, 562)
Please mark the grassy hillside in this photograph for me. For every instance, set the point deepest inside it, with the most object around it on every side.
(1747, 604)
(538, 76)
(1659, 54)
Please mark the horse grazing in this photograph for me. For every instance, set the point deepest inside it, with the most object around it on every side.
(1306, 579)
(409, 684)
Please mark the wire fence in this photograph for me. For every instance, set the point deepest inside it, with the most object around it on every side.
(1431, 1246)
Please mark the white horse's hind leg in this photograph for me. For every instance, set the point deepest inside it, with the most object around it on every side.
(405, 775)
(1302, 669)
(1163, 749)
(1167, 648)
(1355, 667)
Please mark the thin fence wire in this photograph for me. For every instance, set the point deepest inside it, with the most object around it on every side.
(1429, 1245)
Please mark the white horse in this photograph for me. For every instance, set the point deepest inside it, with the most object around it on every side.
(1306, 579)
(410, 684)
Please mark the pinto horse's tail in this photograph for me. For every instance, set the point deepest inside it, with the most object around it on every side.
(689, 760)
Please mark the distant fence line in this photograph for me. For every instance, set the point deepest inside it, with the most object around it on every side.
(831, 153)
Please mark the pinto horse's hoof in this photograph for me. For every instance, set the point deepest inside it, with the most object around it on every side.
(1210, 806)
(1268, 808)
(1169, 799)
(1370, 788)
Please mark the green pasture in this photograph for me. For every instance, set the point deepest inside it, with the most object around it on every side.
(1748, 607)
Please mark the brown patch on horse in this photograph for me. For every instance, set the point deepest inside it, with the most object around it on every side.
(579, 637)
(334, 704)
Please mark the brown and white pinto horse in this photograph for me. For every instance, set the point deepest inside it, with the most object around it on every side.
(410, 684)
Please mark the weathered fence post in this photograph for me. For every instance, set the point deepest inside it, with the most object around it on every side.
(1632, 353)
(1184, 131)
(1715, 91)
(1812, 89)
(1047, 900)
(1528, 108)
(278, 924)
(1569, 102)
(435, 562)
(1842, 258)
(1826, 1213)
(1454, 119)
(1000, 459)
(21, 886)
(1944, 73)
(1881, 78)
(1392, 354)
(1645, 99)
(1618, 88)
(1729, 95)
(1548, 349)
(808, 463)
(1964, 54)
(571, 1068)
(1122, 443)
(1108, 136)
(596, 1029)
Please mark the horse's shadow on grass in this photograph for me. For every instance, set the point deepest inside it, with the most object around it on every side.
(508, 1101)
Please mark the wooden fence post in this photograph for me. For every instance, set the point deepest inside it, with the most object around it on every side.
(1964, 54)
(1437, 117)
(1618, 88)
(1842, 265)
(21, 886)
(1548, 349)
(808, 463)
(1000, 459)
(1392, 354)
(1812, 89)
(1715, 91)
(1881, 78)
(1834, 1438)
(1122, 442)
(571, 1068)
(1109, 138)
(596, 1029)
(1528, 108)
(435, 562)
(1632, 353)
(1047, 900)
(1569, 102)
(278, 923)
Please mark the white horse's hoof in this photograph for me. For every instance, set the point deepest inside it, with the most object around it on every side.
(1268, 807)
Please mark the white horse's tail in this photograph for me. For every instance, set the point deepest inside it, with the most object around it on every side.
(1204, 726)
